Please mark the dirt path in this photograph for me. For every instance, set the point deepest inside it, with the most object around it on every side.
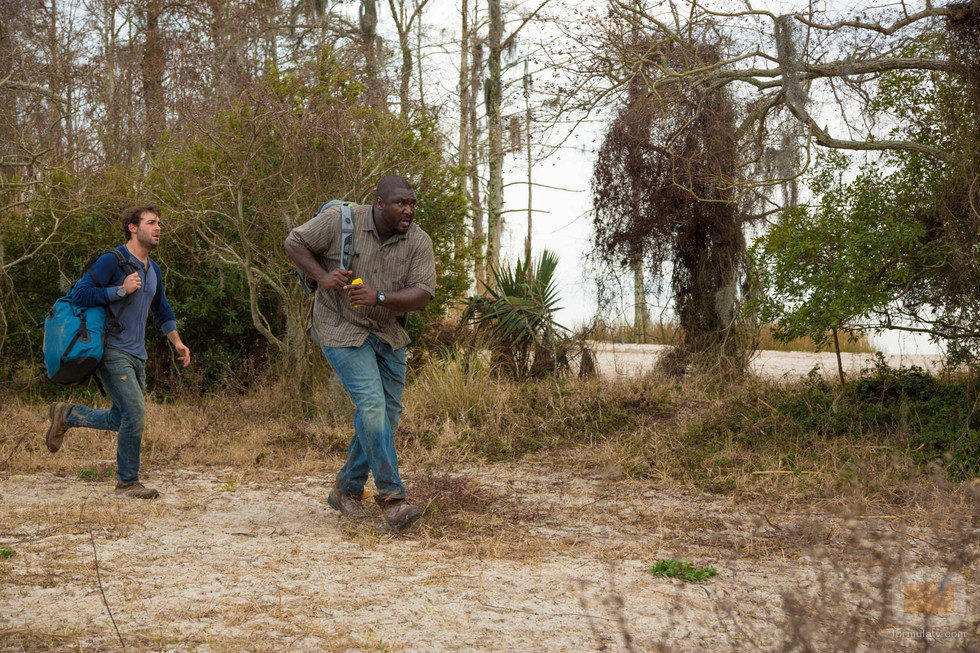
(529, 558)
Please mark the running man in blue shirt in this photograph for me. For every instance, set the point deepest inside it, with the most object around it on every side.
(129, 298)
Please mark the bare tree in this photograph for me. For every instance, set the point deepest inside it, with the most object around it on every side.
(777, 63)
(497, 43)
(663, 189)
(405, 17)
(153, 66)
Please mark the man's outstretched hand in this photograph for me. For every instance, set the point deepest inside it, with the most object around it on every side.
(183, 353)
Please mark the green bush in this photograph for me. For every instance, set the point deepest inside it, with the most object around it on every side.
(905, 411)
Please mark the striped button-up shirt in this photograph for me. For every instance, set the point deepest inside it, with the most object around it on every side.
(404, 260)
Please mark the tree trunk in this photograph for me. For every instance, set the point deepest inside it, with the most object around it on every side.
(527, 135)
(152, 70)
(56, 113)
(418, 61)
(112, 130)
(464, 92)
(641, 316)
(463, 145)
(297, 313)
(369, 41)
(476, 193)
(405, 76)
(495, 192)
(840, 364)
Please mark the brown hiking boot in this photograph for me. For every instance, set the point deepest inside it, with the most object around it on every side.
(57, 429)
(346, 504)
(399, 513)
(135, 491)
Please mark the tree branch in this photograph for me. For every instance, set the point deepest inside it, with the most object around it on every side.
(32, 88)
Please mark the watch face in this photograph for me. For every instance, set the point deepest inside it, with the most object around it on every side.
(381, 298)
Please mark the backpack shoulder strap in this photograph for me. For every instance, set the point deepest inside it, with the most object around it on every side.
(127, 266)
(88, 268)
(347, 253)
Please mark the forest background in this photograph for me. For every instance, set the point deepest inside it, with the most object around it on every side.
(769, 172)
(239, 118)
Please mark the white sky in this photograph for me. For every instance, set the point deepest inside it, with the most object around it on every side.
(567, 227)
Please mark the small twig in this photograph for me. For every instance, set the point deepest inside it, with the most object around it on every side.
(45, 533)
(201, 431)
(905, 533)
(98, 576)
(17, 444)
(767, 405)
(544, 614)
(781, 471)
(776, 526)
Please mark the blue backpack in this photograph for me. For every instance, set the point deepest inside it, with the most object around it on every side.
(75, 336)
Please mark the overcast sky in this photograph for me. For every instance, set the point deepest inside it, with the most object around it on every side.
(563, 218)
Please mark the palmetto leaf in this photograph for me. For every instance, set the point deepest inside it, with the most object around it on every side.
(518, 307)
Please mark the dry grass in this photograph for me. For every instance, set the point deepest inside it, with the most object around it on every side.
(696, 435)
(670, 333)
(461, 517)
(265, 429)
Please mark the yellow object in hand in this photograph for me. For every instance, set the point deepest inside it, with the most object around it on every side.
(357, 282)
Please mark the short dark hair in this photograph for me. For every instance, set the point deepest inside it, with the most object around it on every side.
(134, 214)
(391, 183)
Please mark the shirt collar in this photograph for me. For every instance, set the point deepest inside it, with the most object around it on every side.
(368, 225)
(132, 257)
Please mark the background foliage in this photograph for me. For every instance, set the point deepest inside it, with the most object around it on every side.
(231, 187)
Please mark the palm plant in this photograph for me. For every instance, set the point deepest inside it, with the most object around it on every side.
(517, 313)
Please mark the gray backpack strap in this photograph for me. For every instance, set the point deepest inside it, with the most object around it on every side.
(346, 257)
(347, 252)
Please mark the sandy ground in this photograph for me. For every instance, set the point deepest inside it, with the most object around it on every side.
(632, 360)
(544, 560)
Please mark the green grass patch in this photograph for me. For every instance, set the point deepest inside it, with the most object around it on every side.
(685, 571)
(97, 474)
(7, 552)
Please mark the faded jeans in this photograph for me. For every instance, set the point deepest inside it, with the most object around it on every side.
(124, 378)
(374, 376)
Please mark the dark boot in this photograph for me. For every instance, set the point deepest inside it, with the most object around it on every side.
(135, 491)
(346, 504)
(57, 429)
(399, 513)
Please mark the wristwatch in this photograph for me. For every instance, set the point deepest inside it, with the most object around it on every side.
(120, 292)
(381, 298)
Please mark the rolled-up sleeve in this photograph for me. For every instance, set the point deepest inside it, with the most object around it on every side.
(422, 267)
(316, 234)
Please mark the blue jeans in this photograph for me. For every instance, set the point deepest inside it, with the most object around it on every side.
(374, 376)
(124, 378)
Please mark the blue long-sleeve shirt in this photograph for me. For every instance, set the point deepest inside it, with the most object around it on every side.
(132, 310)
